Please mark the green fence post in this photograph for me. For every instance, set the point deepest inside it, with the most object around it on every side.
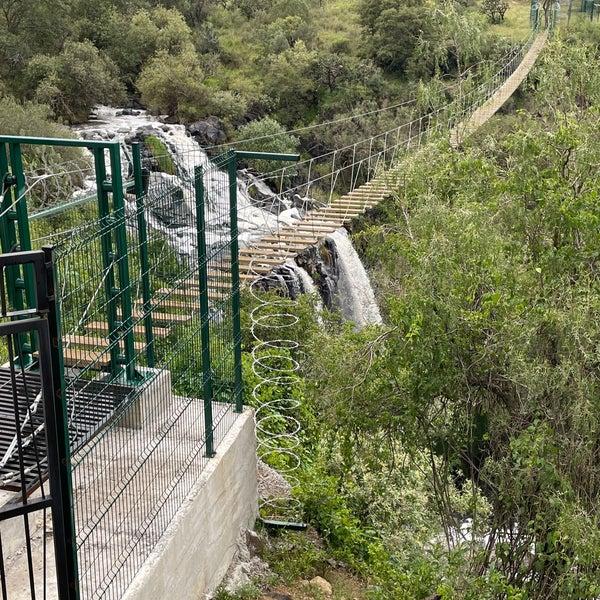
(15, 237)
(124, 291)
(235, 281)
(67, 504)
(207, 371)
(144, 259)
(108, 258)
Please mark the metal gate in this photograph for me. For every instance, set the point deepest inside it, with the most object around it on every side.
(34, 445)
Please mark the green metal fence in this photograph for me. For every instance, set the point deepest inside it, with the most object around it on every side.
(148, 282)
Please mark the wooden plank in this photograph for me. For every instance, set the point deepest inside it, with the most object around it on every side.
(343, 212)
(293, 238)
(160, 317)
(102, 327)
(188, 293)
(350, 202)
(95, 342)
(74, 357)
(290, 247)
(312, 228)
(267, 252)
(261, 261)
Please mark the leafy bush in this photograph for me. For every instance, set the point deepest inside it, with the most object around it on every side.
(75, 80)
(173, 85)
(67, 164)
(266, 135)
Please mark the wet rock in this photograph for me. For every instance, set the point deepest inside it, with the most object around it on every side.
(262, 195)
(322, 264)
(127, 112)
(170, 209)
(208, 132)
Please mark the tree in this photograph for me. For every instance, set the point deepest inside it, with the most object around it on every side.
(266, 135)
(173, 85)
(132, 42)
(288, 79)
(75, 80)
(392, 30)
(495, 10)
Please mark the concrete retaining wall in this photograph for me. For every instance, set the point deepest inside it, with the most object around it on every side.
(193, 555)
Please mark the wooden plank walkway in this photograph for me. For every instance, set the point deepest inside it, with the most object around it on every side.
(484, 113)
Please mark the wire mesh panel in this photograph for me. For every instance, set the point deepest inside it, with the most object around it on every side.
(142, 442)
(150, 338)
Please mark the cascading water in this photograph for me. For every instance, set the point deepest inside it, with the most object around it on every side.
(355, 294)
(111, 123)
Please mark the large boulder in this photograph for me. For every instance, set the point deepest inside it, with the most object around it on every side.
(208, 132)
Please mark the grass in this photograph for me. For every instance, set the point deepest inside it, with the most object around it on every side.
(161, 153)
(516, 24)
(339, 26)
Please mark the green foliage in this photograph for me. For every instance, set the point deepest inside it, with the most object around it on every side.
(32, 119)
(72, 82)
(488, 364)
(393, 30)
(272, 138)
(247, 592)
(132, 42)
(294, 556)
(495, 10)
(160, 153)
(173, 84)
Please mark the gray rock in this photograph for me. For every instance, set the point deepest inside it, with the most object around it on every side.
(322, 264)
(254, 543)
(208, 132)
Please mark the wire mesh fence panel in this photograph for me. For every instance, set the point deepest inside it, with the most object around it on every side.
(143, 441)
(148, 315)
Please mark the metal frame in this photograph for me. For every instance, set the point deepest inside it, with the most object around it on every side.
(207, 370)
(43, 320)
(14, 236)
(231, 160)
(138, 176)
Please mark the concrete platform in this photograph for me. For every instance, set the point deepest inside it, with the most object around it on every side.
(155, 518)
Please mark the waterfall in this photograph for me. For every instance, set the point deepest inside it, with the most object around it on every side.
(111, 123)
(354, 295)
(353, 292)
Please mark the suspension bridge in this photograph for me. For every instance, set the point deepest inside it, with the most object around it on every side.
(140, 300)
(273, 250)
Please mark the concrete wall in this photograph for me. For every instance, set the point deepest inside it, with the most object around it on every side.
(193, 555)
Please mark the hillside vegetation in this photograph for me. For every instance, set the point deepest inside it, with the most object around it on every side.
(299, 61)
(453, 453)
